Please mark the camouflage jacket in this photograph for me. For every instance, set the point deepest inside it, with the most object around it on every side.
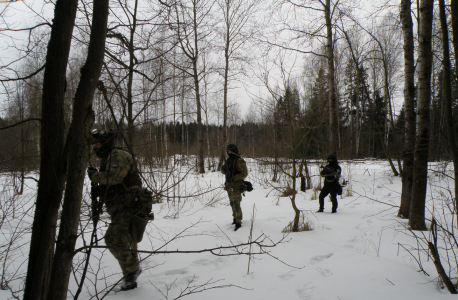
(237, 172)
(118, 167)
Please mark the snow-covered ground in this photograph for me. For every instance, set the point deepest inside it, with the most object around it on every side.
(358, 253)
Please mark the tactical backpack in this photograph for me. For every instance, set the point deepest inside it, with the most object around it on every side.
(249, 186)
(339, 189)
(143, 203)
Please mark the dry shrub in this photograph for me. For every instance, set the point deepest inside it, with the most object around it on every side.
(304, 225)
(347, 184)
(157, 198)
(288, 191)
(314, 196)
(348, 192)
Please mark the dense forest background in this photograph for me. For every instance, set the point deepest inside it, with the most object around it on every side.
(368, 127)
(150, 96)
(353, 77)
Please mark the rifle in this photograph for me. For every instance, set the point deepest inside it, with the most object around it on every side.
(326, 171)
(227, 172)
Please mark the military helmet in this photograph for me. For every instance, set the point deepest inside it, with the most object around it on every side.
(232, 148)
(103, 141)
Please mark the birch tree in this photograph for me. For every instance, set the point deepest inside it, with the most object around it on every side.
(420, 167)
(409, 109)
(236, 32)
(192, 22)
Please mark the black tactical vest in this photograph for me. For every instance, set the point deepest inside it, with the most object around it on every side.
(331, 180)
(231, 162)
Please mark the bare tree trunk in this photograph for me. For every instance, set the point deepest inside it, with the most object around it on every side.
(409, 95)
(391, 115)
(207, 127)
(226, 82)
(200, 132)
(447, 94)
(358, 126)
(420, 175)
(454, 15)
(182, 117)
(433, 246)
(207, 134)
(308, 186)
(174, 150)
(130, 113)
(297, 212)
(226, 73)
(333, 111)
(52, 163)
(358, 97)
(275, 171)
(164, 128)
(82, 120)
(194, 56)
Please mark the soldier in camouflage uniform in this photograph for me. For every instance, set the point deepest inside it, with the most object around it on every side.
(119, 180)
(235, 171)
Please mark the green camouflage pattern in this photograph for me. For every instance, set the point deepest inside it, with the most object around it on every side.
(234, 191)
(121, 236)
(240, 166)
(236, 188)
(119, 240)
(115, 167)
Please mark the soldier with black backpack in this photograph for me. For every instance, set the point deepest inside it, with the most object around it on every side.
(235, 170)
(331, 173)
(128, 204)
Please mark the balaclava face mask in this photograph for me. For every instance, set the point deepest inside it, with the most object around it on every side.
(334, 159)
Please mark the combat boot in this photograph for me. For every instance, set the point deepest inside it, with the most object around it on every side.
(320, 210)
(130, 280)
(237, 226)
(233, 222)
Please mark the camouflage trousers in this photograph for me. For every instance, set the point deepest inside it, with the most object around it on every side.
(235, 197)
(119, 241)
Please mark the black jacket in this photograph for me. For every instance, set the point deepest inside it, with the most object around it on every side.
(331, 174)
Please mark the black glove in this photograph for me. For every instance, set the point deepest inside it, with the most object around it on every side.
(91, 171)
(325, 171)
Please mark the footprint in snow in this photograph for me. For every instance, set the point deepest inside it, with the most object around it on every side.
(202, 262)
(319, 258)
(324, 272)
(287, 276)
(355, 239)
(208, 262)
(306, 291)
(176, 272)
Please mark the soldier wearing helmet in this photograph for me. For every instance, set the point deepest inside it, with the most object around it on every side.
(235, 171)
(119, 182)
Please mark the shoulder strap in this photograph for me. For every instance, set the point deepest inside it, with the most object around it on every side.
(235, 165)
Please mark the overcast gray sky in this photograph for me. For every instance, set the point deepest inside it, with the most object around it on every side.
(23, 14)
